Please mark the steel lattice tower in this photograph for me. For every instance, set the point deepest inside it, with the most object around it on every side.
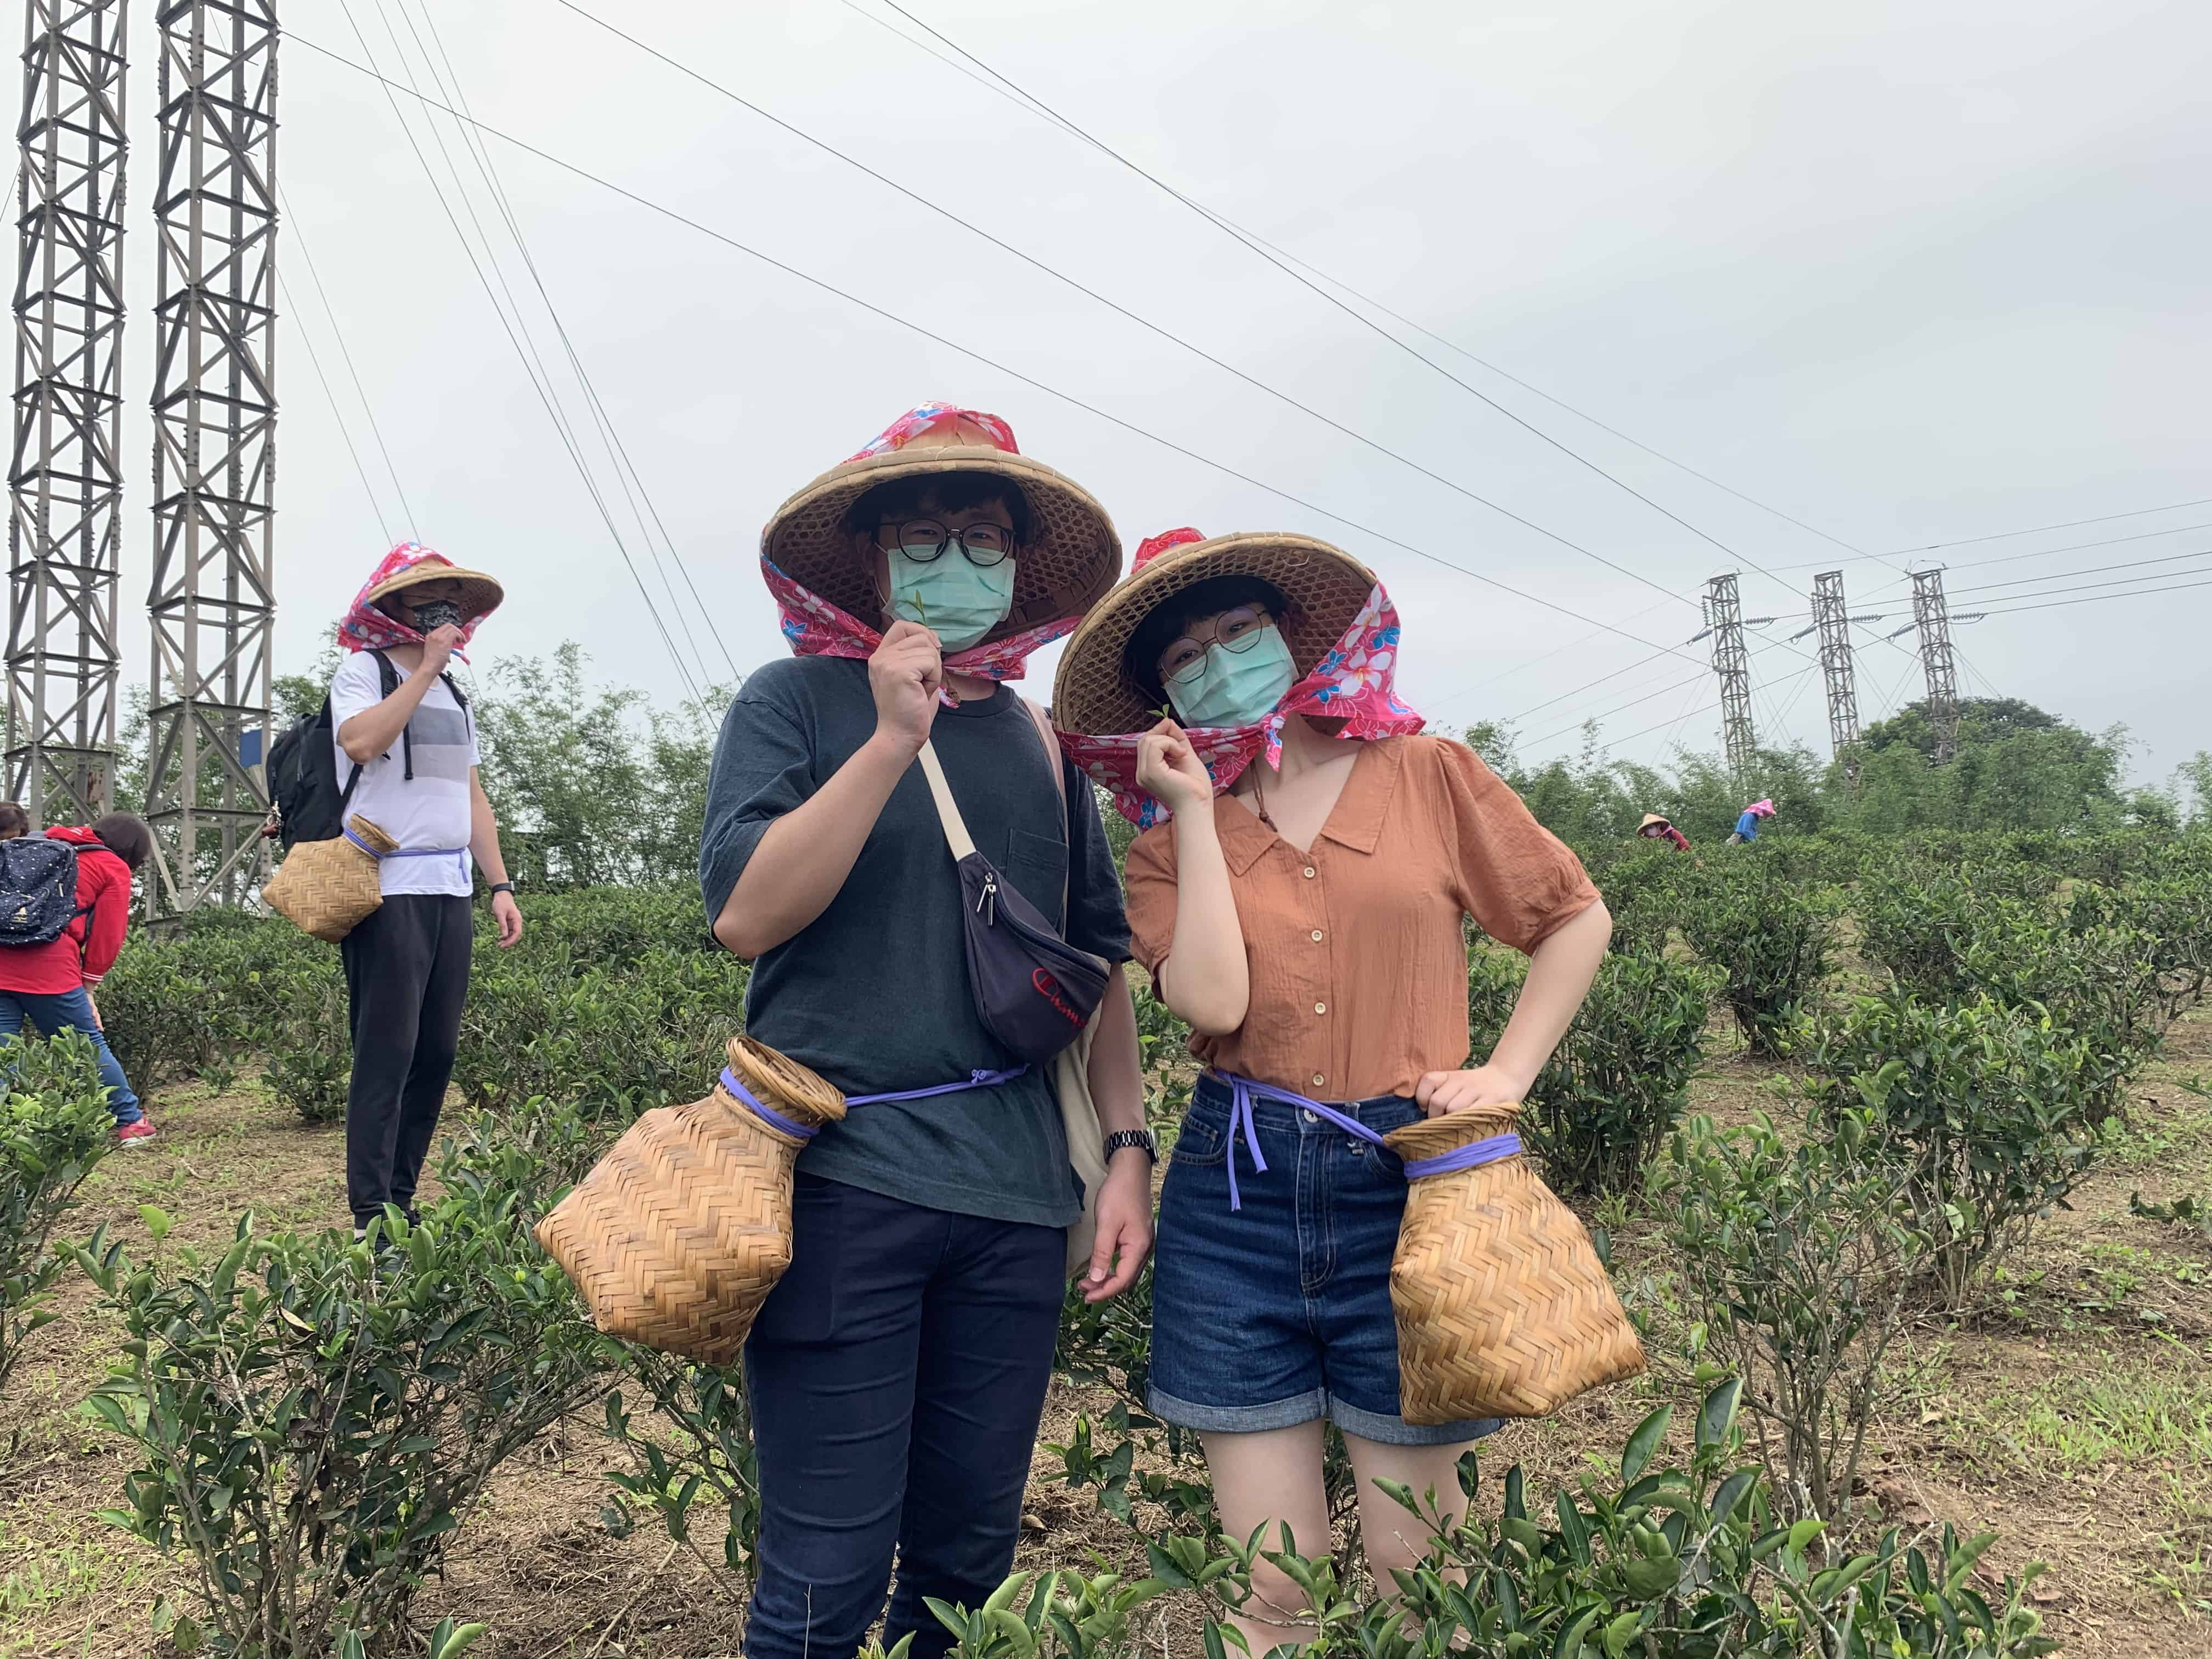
(63, 479)
(1931, 614)
(1732, 663)
(1837, 669)
(213, 601)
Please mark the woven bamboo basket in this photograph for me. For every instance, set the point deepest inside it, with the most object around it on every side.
(680, 1232)
(1504, 1308)
(328, 887)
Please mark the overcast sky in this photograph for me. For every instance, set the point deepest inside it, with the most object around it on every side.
(1909, 274)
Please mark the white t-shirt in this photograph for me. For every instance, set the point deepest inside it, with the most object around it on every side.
(428, 815)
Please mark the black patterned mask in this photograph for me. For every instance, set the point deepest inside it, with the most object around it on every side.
(432, 614)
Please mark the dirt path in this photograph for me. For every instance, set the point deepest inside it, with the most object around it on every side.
(2075, 1417)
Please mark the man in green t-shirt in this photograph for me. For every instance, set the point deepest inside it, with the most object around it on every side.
(896, 1374)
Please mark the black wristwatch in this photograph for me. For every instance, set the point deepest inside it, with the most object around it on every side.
(499, 887)
(1139, 1138)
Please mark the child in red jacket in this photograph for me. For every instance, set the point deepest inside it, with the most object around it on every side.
(50, 985)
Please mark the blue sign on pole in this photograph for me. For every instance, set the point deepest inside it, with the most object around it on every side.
(249, 747)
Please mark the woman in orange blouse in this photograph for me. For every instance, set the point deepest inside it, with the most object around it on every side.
(1303, 906)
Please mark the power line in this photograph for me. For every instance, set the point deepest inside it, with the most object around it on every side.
(2076, 547)
(1119, 309)
(1265, 251)
(2088, 570)
(375, 506)
(2132, 594)
(525, 352)
(987, 361)
(2071, 524)
(626, 473)
(299, 237)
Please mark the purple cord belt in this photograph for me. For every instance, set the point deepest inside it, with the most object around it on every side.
(462, 852)
(1243, 1091)
(776, 1120)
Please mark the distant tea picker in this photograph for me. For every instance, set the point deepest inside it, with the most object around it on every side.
(1656, 827)
(1746, 827)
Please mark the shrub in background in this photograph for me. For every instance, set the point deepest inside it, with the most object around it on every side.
(1615, 1087)
(54, 1126)
(1794, 1261)
(315, 1417)
(1770, 937)
(1988, 1112)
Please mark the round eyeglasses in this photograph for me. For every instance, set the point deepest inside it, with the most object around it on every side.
(1233, 630)
(924, 539)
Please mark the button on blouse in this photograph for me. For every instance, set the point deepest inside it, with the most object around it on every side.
(1423, 836)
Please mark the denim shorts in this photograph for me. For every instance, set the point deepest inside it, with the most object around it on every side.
(1279, 1313)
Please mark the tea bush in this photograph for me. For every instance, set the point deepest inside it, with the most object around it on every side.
(1771, 938)
(54, 1126)
(1990, 1113)
(1641, 890)
(315, 1417)
(1599, 1111)
(1683, 1559)
(1794, 1260)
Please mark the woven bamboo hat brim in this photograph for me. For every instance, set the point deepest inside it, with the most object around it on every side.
(1069, 561)
(1503, 1307)
(1651, 818)
(1094, 694)
(481, 595)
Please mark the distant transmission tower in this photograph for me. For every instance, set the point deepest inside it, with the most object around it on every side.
(65, 483)
(213, 602)
(1931, 615)
(1836, 669)
(1732, 663)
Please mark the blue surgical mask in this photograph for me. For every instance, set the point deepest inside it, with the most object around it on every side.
(1237, 688)
(960, 602)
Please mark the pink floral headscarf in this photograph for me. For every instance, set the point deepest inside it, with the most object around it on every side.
(365, 628)
(813, 627)
(1352, 682)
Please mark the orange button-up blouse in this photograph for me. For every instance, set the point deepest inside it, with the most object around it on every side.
(1356, 949)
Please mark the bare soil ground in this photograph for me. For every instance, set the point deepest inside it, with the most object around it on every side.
(2073, 1414)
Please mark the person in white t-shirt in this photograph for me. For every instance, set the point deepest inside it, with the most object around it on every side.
(411, 755)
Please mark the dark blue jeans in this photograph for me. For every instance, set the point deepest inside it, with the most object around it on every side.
(897, 1375)
(49, 1012)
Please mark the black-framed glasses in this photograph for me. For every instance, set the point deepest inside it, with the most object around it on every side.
(1233, 630)
(924, 539)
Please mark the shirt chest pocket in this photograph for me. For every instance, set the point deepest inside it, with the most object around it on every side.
(1038, 865)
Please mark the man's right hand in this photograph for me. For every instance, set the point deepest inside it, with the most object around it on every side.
(438, 649)
(905, 674)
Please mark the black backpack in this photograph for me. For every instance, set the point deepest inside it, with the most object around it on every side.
(37, 889)
(303, 768)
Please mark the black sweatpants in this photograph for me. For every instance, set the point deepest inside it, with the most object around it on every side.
(407, 978)
(896, 1375)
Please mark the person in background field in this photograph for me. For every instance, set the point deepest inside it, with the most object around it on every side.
(50, 986)
(15, 822)
(1304, 908)
(897, 1373)
(407, 965)
(1656, 828)
(1746, 827)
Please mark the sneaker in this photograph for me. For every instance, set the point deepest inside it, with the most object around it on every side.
(134, 1134)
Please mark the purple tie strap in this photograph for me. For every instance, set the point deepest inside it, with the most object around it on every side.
(1472, 1155)
(1243, 1091)
(405, 851)
(775, 1119)
(974, 1080)
(763, 1110)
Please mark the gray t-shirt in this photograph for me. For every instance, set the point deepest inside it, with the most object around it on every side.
(873, 994)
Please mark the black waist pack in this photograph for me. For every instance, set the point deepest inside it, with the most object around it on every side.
(1034, 990)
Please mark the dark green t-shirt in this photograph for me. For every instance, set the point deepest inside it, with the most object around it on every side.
(873, 994)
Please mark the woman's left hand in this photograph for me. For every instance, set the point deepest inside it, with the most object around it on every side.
(1438, 1092)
